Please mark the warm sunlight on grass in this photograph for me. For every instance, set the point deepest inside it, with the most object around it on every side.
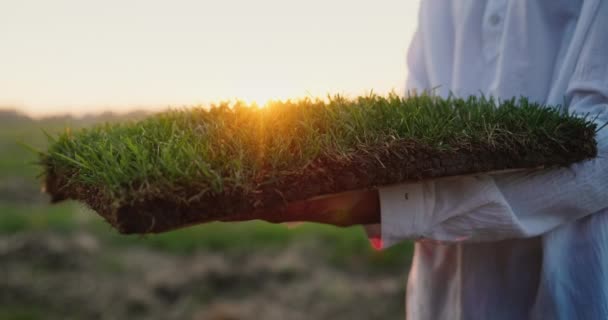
(230, 159)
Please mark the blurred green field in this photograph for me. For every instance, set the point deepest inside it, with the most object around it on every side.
(342, 243)
(26, 214)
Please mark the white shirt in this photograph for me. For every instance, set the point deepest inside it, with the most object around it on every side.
(527, 245)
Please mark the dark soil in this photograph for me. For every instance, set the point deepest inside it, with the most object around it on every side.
(366, 168)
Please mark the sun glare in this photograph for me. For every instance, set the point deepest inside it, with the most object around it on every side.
(260, 99)
(270, 91)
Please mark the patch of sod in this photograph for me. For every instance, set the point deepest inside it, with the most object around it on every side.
(189, 166)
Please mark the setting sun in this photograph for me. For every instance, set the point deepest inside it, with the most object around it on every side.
(79, 57)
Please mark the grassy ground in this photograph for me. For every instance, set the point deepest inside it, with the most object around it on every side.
(176, 167)
(63, 262)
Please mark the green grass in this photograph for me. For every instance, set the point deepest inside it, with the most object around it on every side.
(189, 154)
(68, 217)
(229, 148)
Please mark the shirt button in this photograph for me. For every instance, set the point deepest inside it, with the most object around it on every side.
(494, 20)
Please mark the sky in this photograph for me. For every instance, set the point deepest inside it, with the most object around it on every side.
(85, 56)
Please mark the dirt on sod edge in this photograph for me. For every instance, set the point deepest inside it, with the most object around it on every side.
(365, 168)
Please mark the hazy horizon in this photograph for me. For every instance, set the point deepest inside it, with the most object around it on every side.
(68, 56)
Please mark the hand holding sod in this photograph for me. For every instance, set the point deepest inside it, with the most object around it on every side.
(344, 209)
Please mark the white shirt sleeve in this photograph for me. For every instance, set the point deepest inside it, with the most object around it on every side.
(490, 207)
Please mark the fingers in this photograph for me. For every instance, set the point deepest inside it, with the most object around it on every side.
(343, 209)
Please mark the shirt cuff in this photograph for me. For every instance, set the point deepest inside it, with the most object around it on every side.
(406, 211)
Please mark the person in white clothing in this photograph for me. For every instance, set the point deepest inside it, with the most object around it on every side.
(523, 245)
